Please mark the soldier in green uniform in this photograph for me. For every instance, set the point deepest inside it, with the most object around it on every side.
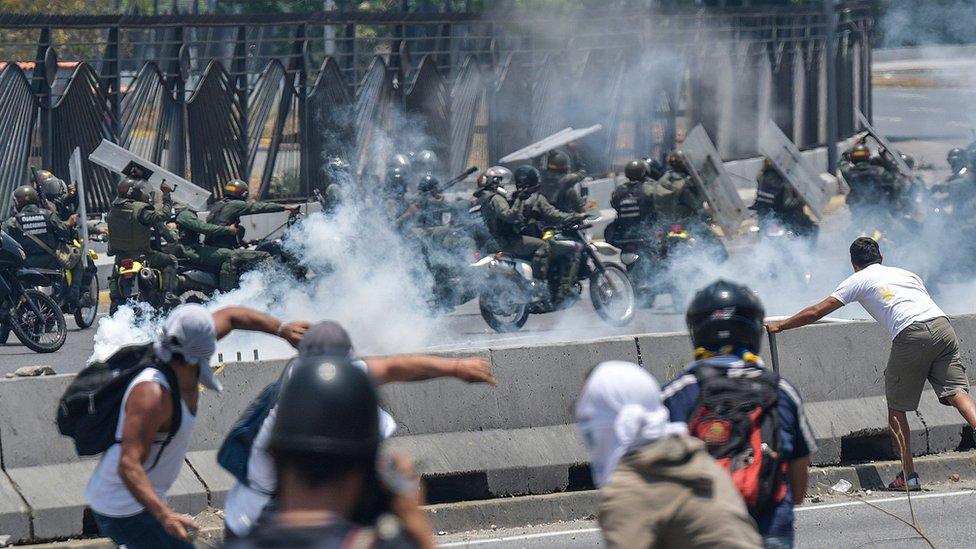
(871, 185)
(677, 198)
(61, 197)
(559, 185)
(776, 199)
(229, 263)
(131, 221)
(229, 209)
(40, 232)
(338, 175)
(536, 213)
(634, 204)
(504, 222)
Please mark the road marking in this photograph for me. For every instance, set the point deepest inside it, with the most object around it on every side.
(798, 510)
(884, 500)
(518, 538)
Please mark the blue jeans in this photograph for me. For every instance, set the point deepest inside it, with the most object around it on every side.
(777, 542)
(138, 532)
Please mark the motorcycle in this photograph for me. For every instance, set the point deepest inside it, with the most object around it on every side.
(59, 280)
(510, 293)
(135, 280)
(29, 313)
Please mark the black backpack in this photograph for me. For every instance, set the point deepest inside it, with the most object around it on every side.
(738, 419)
(89, 409)
(235, 452)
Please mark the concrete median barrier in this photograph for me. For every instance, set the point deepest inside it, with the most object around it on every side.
(474, 442)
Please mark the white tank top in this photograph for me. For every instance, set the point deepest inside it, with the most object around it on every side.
(106, 493)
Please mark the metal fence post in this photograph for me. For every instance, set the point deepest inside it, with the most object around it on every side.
(830, 34)
(112, 77)
(239, 68)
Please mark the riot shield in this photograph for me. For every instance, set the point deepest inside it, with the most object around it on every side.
(271, 225)
(116, 159)
(554, 141)
(78, 179)
(895, 156)
(708, 172)
(786, 158)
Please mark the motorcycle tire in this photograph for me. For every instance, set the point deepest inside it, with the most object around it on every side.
(85, 316)
(621, 285)
(501, 325)
(4, 333)
(53, 319)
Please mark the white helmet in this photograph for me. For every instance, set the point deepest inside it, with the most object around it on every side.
(498, 176)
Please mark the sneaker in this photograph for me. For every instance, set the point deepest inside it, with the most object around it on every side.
(913, 484)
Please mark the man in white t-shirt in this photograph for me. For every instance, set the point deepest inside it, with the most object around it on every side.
(924, 345)
(127, 492)
(247, 501)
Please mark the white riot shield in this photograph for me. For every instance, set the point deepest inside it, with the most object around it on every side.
(707, 170)
(116, 159)
(786, 158)
(899, 162)
(564, 136)
(271, 225)
(78, 179)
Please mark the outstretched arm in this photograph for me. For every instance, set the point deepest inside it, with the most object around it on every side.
(421, 367)
(229, 319)
(809, 315)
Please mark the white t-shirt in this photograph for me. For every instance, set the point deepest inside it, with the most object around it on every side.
(245, 502)
(894, 297)
(106, 493)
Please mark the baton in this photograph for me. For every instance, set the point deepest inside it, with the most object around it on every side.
(773, 351)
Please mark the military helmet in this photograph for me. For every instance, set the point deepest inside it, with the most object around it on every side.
(908, 160)
(676, 160)
(636, 170)
(327, 406)
(24, 195)
(497, 176)
(526, 177)
(135, 189)
(654, 168)
(557, 161)
(428, 184)
(956, 158)
(726, 314)
(426, 161)
(236, 189)
(860, 152)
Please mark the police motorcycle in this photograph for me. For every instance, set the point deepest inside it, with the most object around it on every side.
(58, 281)
(33, 316)
(510, 293)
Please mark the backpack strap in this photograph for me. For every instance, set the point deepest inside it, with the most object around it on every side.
(177, 418)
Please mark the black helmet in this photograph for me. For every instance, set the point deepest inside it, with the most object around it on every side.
(558, 162)
(636, 170)
(396, 179)
(654, 168)
(24, 195)
(49, 185)
(327, 406)
(428, 184)
(526, 177)
(236, 189)
(860, 152)
(676, 160)
(726, 314)
(956, 158)
(426, 161)
(130, 187)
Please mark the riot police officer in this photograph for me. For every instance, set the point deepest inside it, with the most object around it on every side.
(338, 174)
(776, 199)
(677, 198)
(559, 185)
(132, 221)
(504, 222)
(228, 262)
(870, 183)
(634, 204)
(229, 209)
(63, 197)
(40, 232)
(537, 213)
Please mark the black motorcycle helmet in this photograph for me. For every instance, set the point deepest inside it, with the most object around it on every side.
(327, 406)
(655, 170)
(557, 161)
(725, 314)
(52, 187)
(636, 170)
(236, 189)
(428, 184)
(24, 195)
(526, 177)
(676, 161)
(396, 180)
(956, 159)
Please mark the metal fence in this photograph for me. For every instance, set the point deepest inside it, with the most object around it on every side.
(271, 99)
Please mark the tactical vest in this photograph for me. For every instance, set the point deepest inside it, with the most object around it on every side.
(495, 227)
(630, 207)
(215, 216)
(34, 222)
(126, 235)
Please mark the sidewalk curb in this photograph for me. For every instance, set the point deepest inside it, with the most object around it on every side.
(570, 506)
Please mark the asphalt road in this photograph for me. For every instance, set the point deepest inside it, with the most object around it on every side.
(944, 515)
(925, 113)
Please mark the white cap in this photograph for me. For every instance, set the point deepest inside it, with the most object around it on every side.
(189, 331)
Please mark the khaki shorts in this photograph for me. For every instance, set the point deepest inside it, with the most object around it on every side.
(925, 350)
